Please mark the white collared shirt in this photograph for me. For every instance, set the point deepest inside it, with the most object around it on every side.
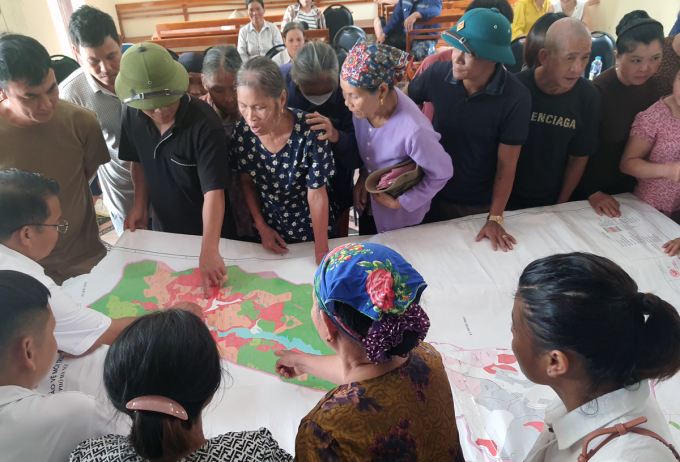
(39, 428)
(282, 58)
(82, 89)
(564, 433)
(252, 43)
(78, 327)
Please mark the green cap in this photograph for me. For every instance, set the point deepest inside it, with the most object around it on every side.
(403, 183)
(483, 32)
(149, 78)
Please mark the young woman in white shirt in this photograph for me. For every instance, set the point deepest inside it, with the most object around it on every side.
(581, 327)
(294, 39)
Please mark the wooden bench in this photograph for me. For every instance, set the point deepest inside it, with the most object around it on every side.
(385, 10)
(446, 21)
(321, 35)
(188, 8)
(199, 42)
(237, 23)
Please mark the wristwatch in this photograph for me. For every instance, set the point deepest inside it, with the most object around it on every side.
(497, 218)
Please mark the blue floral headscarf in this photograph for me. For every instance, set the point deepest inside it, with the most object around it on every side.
(376, 281)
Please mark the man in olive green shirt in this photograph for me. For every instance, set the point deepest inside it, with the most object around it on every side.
(58, 139)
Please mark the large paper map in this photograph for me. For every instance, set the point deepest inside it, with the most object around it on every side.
(250, 316)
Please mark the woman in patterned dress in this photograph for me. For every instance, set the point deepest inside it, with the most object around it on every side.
(652, 154)
(162, 371)
(394, 400)
(284, 167)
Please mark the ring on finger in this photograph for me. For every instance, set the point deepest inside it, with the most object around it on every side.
(504, 236)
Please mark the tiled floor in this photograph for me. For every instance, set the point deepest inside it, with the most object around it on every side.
(106, 232)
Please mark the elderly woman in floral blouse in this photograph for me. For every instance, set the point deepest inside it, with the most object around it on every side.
(393, 393)
(284, 167)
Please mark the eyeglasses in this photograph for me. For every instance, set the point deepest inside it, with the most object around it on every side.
(62, 227)
(463, 41)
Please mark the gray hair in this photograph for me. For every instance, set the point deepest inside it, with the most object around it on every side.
(314, 60)
(263, 74)
(292, 26)
(221, 58)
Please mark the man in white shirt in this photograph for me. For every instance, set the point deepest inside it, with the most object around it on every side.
(36, 427)
(30, 223)
(98, 48)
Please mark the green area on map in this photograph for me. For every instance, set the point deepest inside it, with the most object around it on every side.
(250, 316)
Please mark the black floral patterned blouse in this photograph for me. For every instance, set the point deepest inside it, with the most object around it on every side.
(283, 178)
(404, 415)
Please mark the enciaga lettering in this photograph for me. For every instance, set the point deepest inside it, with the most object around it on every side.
(565, 122)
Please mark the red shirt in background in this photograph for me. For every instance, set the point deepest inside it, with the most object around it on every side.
(445, 55)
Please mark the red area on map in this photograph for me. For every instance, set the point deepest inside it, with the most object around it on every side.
(537, 425)
(507, 359)
(273, 313)
(490, 368)
(489, 445)
(232, 340)
(148, 306)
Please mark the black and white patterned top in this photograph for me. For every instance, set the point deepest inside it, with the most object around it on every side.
(249, 446)
(283, 178)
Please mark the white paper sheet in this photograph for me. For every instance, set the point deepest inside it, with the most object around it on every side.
(469, 301)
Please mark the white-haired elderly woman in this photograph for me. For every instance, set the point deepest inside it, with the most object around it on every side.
(285, 168)
(220, 65)
(313, 85)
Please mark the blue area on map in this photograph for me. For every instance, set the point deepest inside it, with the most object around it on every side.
(244, 333)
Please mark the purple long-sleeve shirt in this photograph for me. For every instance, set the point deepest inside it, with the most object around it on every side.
(407, 134)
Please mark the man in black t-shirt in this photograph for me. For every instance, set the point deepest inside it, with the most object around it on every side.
(178, 150)
(565, 112)
(481, 112)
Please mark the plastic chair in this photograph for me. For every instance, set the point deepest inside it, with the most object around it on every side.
(341, 53)
(275, 50)
(63, 67)
(603, 45)
(348, 36)
(518, 51)
(337, 16)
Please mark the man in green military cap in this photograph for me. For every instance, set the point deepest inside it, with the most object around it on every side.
(178, 149)
(482, 112)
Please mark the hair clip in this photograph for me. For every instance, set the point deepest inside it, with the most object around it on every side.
(158, 404)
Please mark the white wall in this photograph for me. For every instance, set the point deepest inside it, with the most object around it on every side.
(608, 13)
(33, 18)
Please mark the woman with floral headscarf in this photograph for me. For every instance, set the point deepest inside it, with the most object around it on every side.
(390, 129)
(394, 397)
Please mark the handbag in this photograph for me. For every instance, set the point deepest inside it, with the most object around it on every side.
(619, 430)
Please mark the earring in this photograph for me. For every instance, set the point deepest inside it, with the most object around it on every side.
(381, 102)
(281, 110)
(329, 339)
(548, 371)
